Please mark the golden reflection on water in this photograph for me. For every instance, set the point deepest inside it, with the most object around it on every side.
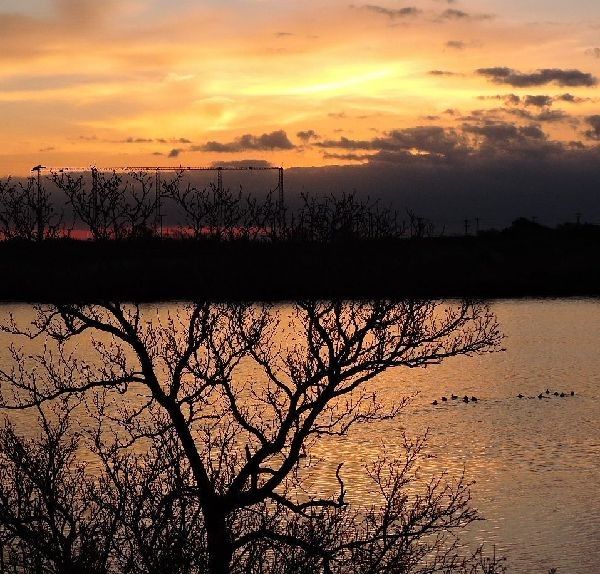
(534, 462)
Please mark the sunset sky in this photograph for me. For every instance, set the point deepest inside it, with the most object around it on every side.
(294, 83)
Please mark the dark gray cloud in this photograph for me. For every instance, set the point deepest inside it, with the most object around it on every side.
(508, 99)
(496, 133)
(538, 101)
(431, 139)
(348, 156)
(307, 135)
(484, 115)
(454, 14)
(441, 73)
(484, 132)
(553, 116)
(175, 152)
(541, 77)
(594, 123)
(524, 108)
(130, 140)
(138, 140)
(456, 44)
(392, 13)
(174, 141)
(594, 52)
(510, 141)
(243, 163)
(346, 143)
(549, 100)
(271, 141)
(496, 114)
(425, 139)
(570, 98)
(512, 99)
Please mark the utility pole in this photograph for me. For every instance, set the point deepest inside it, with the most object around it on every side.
(95, 198)
(158, 224)
(38, 203)
(220, 218)
(220, 180)
(467, 223)
(280, 206)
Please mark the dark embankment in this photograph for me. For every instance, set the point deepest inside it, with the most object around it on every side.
(507, 264)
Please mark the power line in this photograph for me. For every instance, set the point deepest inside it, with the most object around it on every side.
(157, 168)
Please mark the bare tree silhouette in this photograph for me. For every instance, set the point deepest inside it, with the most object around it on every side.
(191, 200)
(111, 205)
(219, 484)
(346, 217)
(419, 227)
(128, 205)
(27, 211)
(97, 204)
(218, 213)
(140, 194)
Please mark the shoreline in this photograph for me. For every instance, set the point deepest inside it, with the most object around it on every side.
(485, 267)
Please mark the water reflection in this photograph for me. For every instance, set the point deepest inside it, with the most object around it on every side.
(534, 463)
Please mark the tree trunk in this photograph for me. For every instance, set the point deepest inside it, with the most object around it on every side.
(220, 550)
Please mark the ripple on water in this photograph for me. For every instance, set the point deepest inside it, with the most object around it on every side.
(534, 462)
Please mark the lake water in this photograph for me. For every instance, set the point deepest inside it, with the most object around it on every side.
(535, 463)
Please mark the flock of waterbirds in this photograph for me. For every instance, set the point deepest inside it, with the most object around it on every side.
(548, 394)
(466, 399)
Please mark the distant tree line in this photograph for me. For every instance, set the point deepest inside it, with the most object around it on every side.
(119, 206)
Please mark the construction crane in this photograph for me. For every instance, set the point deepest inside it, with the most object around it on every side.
(158, 169)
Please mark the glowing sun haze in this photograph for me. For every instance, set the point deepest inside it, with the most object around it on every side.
(295, 83)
